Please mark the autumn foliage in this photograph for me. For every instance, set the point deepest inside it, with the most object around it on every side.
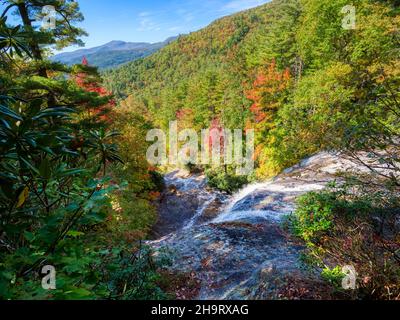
(91, 82)
(267, 92)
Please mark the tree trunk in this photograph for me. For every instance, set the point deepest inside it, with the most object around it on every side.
(34, 46)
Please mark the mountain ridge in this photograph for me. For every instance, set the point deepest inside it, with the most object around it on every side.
(112, 54)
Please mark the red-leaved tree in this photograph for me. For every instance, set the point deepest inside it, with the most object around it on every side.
(89, 80)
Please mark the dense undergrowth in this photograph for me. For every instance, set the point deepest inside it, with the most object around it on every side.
(353, 226)
(76, 196)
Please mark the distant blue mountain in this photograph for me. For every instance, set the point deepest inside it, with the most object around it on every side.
(112, 54)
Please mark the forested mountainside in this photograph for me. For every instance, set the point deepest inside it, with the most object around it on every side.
(288, 68)
(112, 54)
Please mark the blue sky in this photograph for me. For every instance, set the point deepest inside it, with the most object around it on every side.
(151, 20)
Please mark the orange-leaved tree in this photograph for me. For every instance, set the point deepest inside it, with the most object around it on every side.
(268, 93)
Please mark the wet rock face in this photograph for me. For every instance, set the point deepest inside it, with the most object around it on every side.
(236, 245)
(175, 208)
(183, 201)
(212, 210)
(232, 259)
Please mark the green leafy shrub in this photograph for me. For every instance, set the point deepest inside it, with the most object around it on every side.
(316, 211)
(333, 276)
(225, 181)
(314, 215)
(353, 225)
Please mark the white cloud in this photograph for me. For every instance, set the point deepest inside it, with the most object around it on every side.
(177, 18)
(238, 5)
(147, 24)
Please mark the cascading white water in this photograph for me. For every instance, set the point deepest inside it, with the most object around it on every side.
(244, 204)
(268, 200)
(242, 215)
(245, 192)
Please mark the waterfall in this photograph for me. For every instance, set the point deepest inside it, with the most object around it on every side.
(234, 244)
(267, 200)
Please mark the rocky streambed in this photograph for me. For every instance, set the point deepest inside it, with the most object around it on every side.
(235, 245)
